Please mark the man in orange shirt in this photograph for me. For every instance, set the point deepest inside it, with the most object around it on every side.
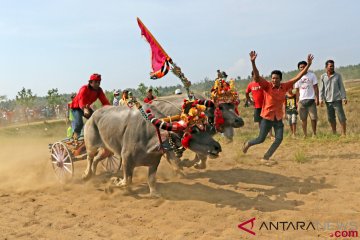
(272, 110)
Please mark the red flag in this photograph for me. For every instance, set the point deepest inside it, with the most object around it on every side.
(160, 61)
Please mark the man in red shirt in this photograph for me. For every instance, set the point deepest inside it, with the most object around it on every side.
(149, 96)
(80, 105)
(258, 98)
(272, 110)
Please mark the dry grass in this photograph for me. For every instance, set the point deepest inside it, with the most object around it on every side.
(300, 157)
(323, 128)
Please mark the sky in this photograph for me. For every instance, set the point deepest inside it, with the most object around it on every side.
(60, 43)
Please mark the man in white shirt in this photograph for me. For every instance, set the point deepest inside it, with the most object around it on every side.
(307, 92)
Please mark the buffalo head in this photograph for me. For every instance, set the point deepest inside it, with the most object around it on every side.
(201, 142)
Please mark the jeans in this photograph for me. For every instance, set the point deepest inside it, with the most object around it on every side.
(77, 123)
(265, 127)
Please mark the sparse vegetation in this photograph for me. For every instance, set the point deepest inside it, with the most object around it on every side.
(300, 157)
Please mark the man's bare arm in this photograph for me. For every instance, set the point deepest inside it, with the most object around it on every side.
(304, 71)
(257, 76)
(316, 89)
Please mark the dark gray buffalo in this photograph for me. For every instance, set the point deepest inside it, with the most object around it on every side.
(127, 134)
(171, 105)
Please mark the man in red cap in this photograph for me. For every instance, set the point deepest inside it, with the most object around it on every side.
(80, 105)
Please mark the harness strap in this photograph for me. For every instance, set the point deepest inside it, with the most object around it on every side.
(161, 148)
(177, 150)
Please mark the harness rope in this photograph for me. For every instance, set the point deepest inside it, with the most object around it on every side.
(133, 101)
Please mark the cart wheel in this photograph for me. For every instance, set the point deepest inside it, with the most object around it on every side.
(61, 161)
(111, 164)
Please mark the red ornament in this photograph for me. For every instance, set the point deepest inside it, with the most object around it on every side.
(219, 120)
(185, 141)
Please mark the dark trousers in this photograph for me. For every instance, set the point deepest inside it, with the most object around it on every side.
(78, 123)
(265, 127)
(337, 107)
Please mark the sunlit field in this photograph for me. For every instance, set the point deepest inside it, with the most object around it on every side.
(316, 180)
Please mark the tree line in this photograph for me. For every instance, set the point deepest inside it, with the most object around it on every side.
(25, 98)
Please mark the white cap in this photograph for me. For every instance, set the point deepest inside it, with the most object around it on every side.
(178, 91)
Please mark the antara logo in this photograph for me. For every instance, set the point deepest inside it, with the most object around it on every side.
(241, 226)
(299, 225)
(248, 225)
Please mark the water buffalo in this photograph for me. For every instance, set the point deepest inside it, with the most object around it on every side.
(171, 105)
(127, 134)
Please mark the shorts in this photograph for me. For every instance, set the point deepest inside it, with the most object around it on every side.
(292, 118)
(338, 107)
(308, 110)
(257, 117)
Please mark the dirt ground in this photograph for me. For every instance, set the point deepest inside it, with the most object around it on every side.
(206, 204)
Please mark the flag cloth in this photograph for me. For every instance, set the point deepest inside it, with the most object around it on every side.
(160, 61)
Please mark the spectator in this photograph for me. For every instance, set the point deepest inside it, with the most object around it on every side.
(258, 99)
(290, 111)
(70, 117)
(332, 92)
(307, 92)
(116, 98)
(124, 98)
(149, 97)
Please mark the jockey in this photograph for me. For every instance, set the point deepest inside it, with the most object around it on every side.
(80, 105)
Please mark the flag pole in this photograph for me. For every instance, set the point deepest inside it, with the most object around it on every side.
(176, 70)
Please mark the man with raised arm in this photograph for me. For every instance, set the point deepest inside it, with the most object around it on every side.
(272, 109)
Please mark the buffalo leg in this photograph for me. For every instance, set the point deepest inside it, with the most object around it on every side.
(201, 161)
(128, 170)
(174, 163)
(152, 180)
(90, 157)
(102, 154)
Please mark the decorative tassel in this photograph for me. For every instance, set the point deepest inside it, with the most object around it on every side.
(185, 141)
(219, 120)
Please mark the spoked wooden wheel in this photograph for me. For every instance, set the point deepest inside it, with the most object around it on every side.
(61, 161)
(111, 164)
